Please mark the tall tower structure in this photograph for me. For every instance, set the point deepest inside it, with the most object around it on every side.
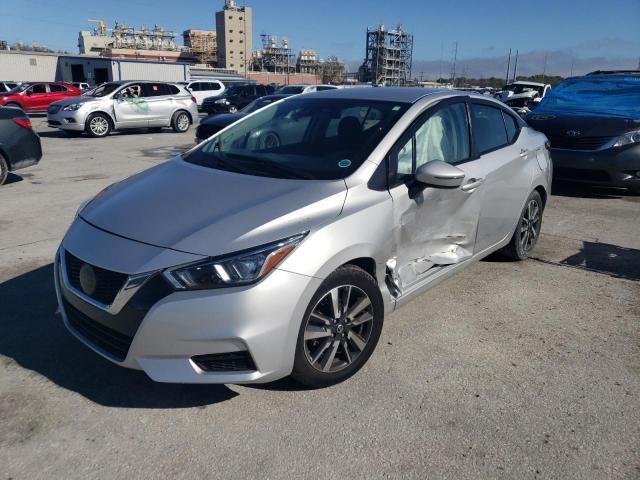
(234, 29)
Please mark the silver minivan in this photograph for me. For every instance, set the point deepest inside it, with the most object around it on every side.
(119, 105)
(277, 247)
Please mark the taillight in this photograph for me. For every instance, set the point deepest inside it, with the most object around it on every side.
(193, 99)
(24, 122)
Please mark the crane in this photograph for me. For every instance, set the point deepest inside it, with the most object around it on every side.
(102, 27)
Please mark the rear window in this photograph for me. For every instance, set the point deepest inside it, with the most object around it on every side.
(610, 95)
(155, 89)
(512, 127)
(57, 88)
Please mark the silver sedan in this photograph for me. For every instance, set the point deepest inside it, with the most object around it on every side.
(120, 105)
(246, 261)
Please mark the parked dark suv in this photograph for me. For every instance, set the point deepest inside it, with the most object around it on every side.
(19, 144)
(235, 98)
(593, 124)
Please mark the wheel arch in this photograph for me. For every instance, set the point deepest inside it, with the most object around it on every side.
(108, 115)
(543, 194)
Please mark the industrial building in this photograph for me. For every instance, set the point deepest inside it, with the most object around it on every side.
(203, 45)
(123, 41)
(388, 57)
(49, 67)
(234, 32)
(273, 56)
(308, 61)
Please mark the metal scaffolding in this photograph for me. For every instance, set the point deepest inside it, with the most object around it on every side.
(203, 45)
(144, 38)
(308, 61)
(388, 57)
(274, 57)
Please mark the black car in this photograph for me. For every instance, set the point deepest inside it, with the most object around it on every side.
(214, 123)
(19, 144)
(593, 125)
(235, 98)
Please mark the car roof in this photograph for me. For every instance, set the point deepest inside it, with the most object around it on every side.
(523, 82)
(389, 94)
(614, 72)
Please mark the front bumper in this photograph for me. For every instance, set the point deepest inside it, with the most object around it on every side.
(215, 108)
(262, 320)
(614, 167)
(67, 120)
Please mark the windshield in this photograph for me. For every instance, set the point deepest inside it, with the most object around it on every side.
(518, 88)
(290, 90)
(258, 103)
(614, 95)
(21, 87)
(103, 90)
(315, 139)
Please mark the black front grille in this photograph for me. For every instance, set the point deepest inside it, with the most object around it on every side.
(54, 122)
(580, 174)
(108, 283)
(578, 143)
(225, 362)
(113, 343)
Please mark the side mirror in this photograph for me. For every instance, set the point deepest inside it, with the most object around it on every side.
(439, 174)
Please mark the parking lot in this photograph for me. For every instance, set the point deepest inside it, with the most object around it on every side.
(507, 370)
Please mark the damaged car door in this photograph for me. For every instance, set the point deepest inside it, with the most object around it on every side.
(434, 226)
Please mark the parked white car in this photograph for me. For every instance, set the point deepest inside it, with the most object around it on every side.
(202, 89)
(298, 89)
(523, 94)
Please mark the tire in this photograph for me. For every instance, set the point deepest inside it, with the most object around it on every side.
(98, 125)
(4, 170)
(523, 241)
(181, 122)
(330, 350)
(270, 140)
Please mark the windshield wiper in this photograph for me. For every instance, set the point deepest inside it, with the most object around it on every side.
(265, 166)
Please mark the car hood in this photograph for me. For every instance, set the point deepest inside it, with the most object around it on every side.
(212, 212)
(77, 99)
(589, 125)
(222, 119)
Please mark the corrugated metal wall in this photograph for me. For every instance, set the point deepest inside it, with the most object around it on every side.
(20, 66)
(167, 72)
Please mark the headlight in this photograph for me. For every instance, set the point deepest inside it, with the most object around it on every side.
(71, 108)
(234, 270)
(628, 139)
(222, 100)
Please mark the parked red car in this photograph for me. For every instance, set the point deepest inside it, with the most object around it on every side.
(36, 96)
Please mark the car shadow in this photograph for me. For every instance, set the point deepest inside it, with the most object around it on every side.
(33, 336)
(611, 260)
(13, 178)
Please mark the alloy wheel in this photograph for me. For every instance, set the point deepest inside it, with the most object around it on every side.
(530, 226)
(338, 328)
(183, 122)
(99, 126)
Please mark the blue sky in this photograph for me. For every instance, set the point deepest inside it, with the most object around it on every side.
(586, 34)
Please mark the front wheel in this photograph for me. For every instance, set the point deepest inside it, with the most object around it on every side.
(4, 170)
(98, 125)
(528, 229)
(340, 329)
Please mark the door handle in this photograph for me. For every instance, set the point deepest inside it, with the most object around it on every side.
(472, 184)
(524, 152)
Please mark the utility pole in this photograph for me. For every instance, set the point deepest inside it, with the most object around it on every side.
(515, 67)
(453, 69)
(508, 68)
(441, 54)
(544, 70)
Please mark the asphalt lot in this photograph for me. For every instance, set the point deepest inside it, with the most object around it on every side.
(508, 370)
